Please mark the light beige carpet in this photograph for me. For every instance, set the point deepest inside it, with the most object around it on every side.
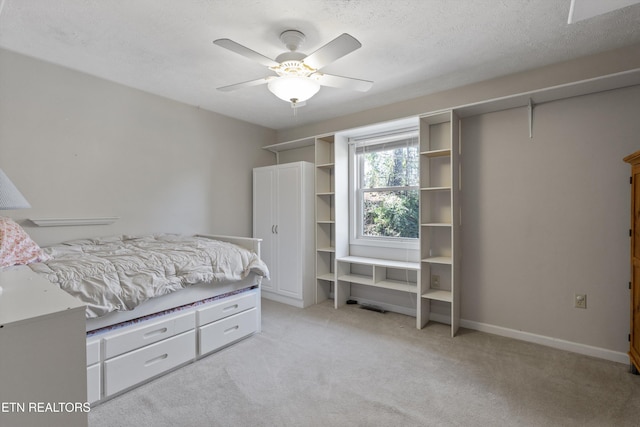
(351, 367)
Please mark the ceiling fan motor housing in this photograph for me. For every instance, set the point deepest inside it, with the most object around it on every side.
(292, 39)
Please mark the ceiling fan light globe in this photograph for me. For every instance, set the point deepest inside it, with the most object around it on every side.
(294, 87)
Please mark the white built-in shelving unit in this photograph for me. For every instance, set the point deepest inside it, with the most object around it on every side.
(325, 216)
(440, 216)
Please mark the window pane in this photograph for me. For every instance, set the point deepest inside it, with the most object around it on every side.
(395, 167)
(390, 214)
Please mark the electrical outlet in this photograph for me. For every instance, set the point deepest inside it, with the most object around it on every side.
(435, 281)
(580, 300)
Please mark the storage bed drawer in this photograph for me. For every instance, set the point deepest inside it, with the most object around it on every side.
(93, 383)
(226, 307)
(218, 334)
(132, 368)
(93, 352)
(132, 339)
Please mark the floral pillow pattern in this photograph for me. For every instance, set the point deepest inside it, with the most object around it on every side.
(16, 247)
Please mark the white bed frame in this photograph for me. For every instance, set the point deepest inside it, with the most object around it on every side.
(125, 357)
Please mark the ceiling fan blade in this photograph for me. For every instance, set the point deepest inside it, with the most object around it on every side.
(335, 49)
(246, 52)
(246, 84)
(342, 82)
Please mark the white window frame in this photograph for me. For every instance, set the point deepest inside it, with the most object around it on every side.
(355, 192)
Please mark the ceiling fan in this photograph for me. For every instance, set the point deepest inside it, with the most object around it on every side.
(298, 77)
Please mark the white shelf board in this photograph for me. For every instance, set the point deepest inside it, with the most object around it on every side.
(437, 294)
(326, 166)
(439, 260)
(380, 262)
(356, 278)
(327, 249)
(397, 285)
(437, 153)
(62, 222)
(290, 145)
(553, 93)
(435, 189)
(330, 277)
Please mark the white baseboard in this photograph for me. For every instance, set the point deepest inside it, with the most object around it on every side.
(602, 353)
(280, 298)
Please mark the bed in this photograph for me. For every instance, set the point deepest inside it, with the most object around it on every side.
(169, 301)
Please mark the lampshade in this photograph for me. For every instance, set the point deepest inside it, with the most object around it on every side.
(10, 197)
(294, 88)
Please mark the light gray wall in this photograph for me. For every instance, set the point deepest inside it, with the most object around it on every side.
(543, 218)
(79, 146)
(548, 217)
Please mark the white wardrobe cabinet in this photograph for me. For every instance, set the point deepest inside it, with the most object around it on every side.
(283, 217)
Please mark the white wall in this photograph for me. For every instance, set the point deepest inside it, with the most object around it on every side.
(548, 217)
(78, 146)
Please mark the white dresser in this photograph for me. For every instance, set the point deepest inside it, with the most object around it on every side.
(42, 353)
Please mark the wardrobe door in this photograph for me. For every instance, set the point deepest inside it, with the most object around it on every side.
(288, 233)
(634, 234)
(264, 219)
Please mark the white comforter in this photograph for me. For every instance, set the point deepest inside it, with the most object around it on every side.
(119, 273)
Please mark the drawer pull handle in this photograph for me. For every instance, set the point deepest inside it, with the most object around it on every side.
(233, 328)
(154, 333)
(231, 307)
(155, 360)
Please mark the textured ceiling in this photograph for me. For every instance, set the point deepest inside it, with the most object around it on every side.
(410, 47)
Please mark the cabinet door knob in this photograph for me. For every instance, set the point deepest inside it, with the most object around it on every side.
(276, 229)
(272, 227)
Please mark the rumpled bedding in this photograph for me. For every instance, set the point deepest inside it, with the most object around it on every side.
(119, 273)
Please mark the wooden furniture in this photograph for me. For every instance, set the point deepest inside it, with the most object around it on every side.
(634, 233)
(440, 216)
(42, 352)
(283, 216)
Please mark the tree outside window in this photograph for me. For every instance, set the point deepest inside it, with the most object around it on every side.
(387, 192)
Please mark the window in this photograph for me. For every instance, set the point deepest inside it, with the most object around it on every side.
(385, 192)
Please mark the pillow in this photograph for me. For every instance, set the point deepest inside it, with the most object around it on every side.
(16, 247)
